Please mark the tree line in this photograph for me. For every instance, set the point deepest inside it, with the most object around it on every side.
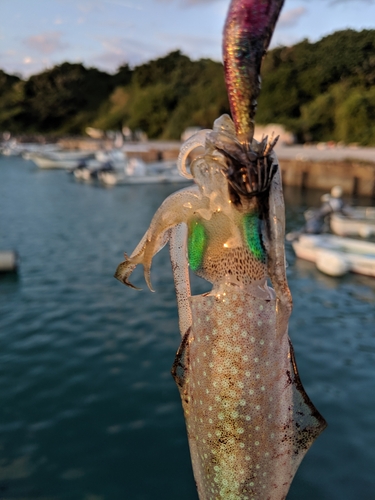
(319, 91)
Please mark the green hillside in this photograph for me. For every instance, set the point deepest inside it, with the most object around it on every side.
(320, 91)
(323, 91)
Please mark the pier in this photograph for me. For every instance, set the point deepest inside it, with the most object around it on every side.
(320, 166)
(356, 178)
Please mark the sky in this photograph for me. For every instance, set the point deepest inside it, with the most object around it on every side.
(38, 34)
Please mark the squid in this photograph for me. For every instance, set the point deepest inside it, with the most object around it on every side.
(249, 420)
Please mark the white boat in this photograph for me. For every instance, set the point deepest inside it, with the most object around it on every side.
(138, 172)
(359, 221)
(60, 159)
(116, 157)
(363, 212)
(334, 255)
(108, 168)
(110, 161)
(31, 149)
(11, 148)
(14, 148)
(112, 179)
(82, 172)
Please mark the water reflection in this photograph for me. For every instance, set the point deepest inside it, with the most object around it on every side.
(88, 407)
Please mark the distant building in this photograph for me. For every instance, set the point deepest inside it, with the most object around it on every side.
(276, 129)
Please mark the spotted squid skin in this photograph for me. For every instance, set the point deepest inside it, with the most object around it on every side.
(238, 388)
(247, 34)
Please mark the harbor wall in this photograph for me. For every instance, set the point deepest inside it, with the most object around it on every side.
(149, 151)
(356, 178)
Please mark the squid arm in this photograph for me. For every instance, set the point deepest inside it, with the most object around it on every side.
(276, 252)
(176, 209)
(125, 268)
(180, 268)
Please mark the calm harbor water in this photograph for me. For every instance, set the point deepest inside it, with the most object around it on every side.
(88, 408)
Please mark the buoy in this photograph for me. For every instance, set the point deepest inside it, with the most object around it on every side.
(331, 263)
(8, 261)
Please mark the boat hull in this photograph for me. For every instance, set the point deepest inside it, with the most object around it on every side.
(60, 160)
(361, 224)
(348, 254)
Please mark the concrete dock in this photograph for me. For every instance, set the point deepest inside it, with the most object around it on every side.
(320, 166)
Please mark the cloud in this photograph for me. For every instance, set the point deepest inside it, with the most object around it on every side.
(117, 51)
(45, 43)
(192, 45)
(191, 40)
(335, 2)
(86, 6)
(191, 3)
(283, 39)
(128, 5)
(21, 64)
(188, 3)
(291, 17)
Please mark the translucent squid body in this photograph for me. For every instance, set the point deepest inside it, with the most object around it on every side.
(249, 421)
(248, 418)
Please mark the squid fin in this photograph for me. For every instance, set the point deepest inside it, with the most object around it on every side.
(181, 364)
(307, 421)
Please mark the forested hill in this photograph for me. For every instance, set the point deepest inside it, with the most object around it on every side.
(161, 97)
(323, 91)
(320, 91)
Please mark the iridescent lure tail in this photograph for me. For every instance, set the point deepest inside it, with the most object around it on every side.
(247, 34)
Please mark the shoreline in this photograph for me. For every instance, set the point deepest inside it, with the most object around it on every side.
(320, 166)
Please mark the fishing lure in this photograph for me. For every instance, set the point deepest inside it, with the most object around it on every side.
(249, 420)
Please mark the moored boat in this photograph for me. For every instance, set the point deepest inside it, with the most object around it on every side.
(137, 172)
(334, 255)
(82, 172)
(358, 221)
(60, 159)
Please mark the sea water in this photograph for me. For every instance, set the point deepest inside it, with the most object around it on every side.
(88, 408)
